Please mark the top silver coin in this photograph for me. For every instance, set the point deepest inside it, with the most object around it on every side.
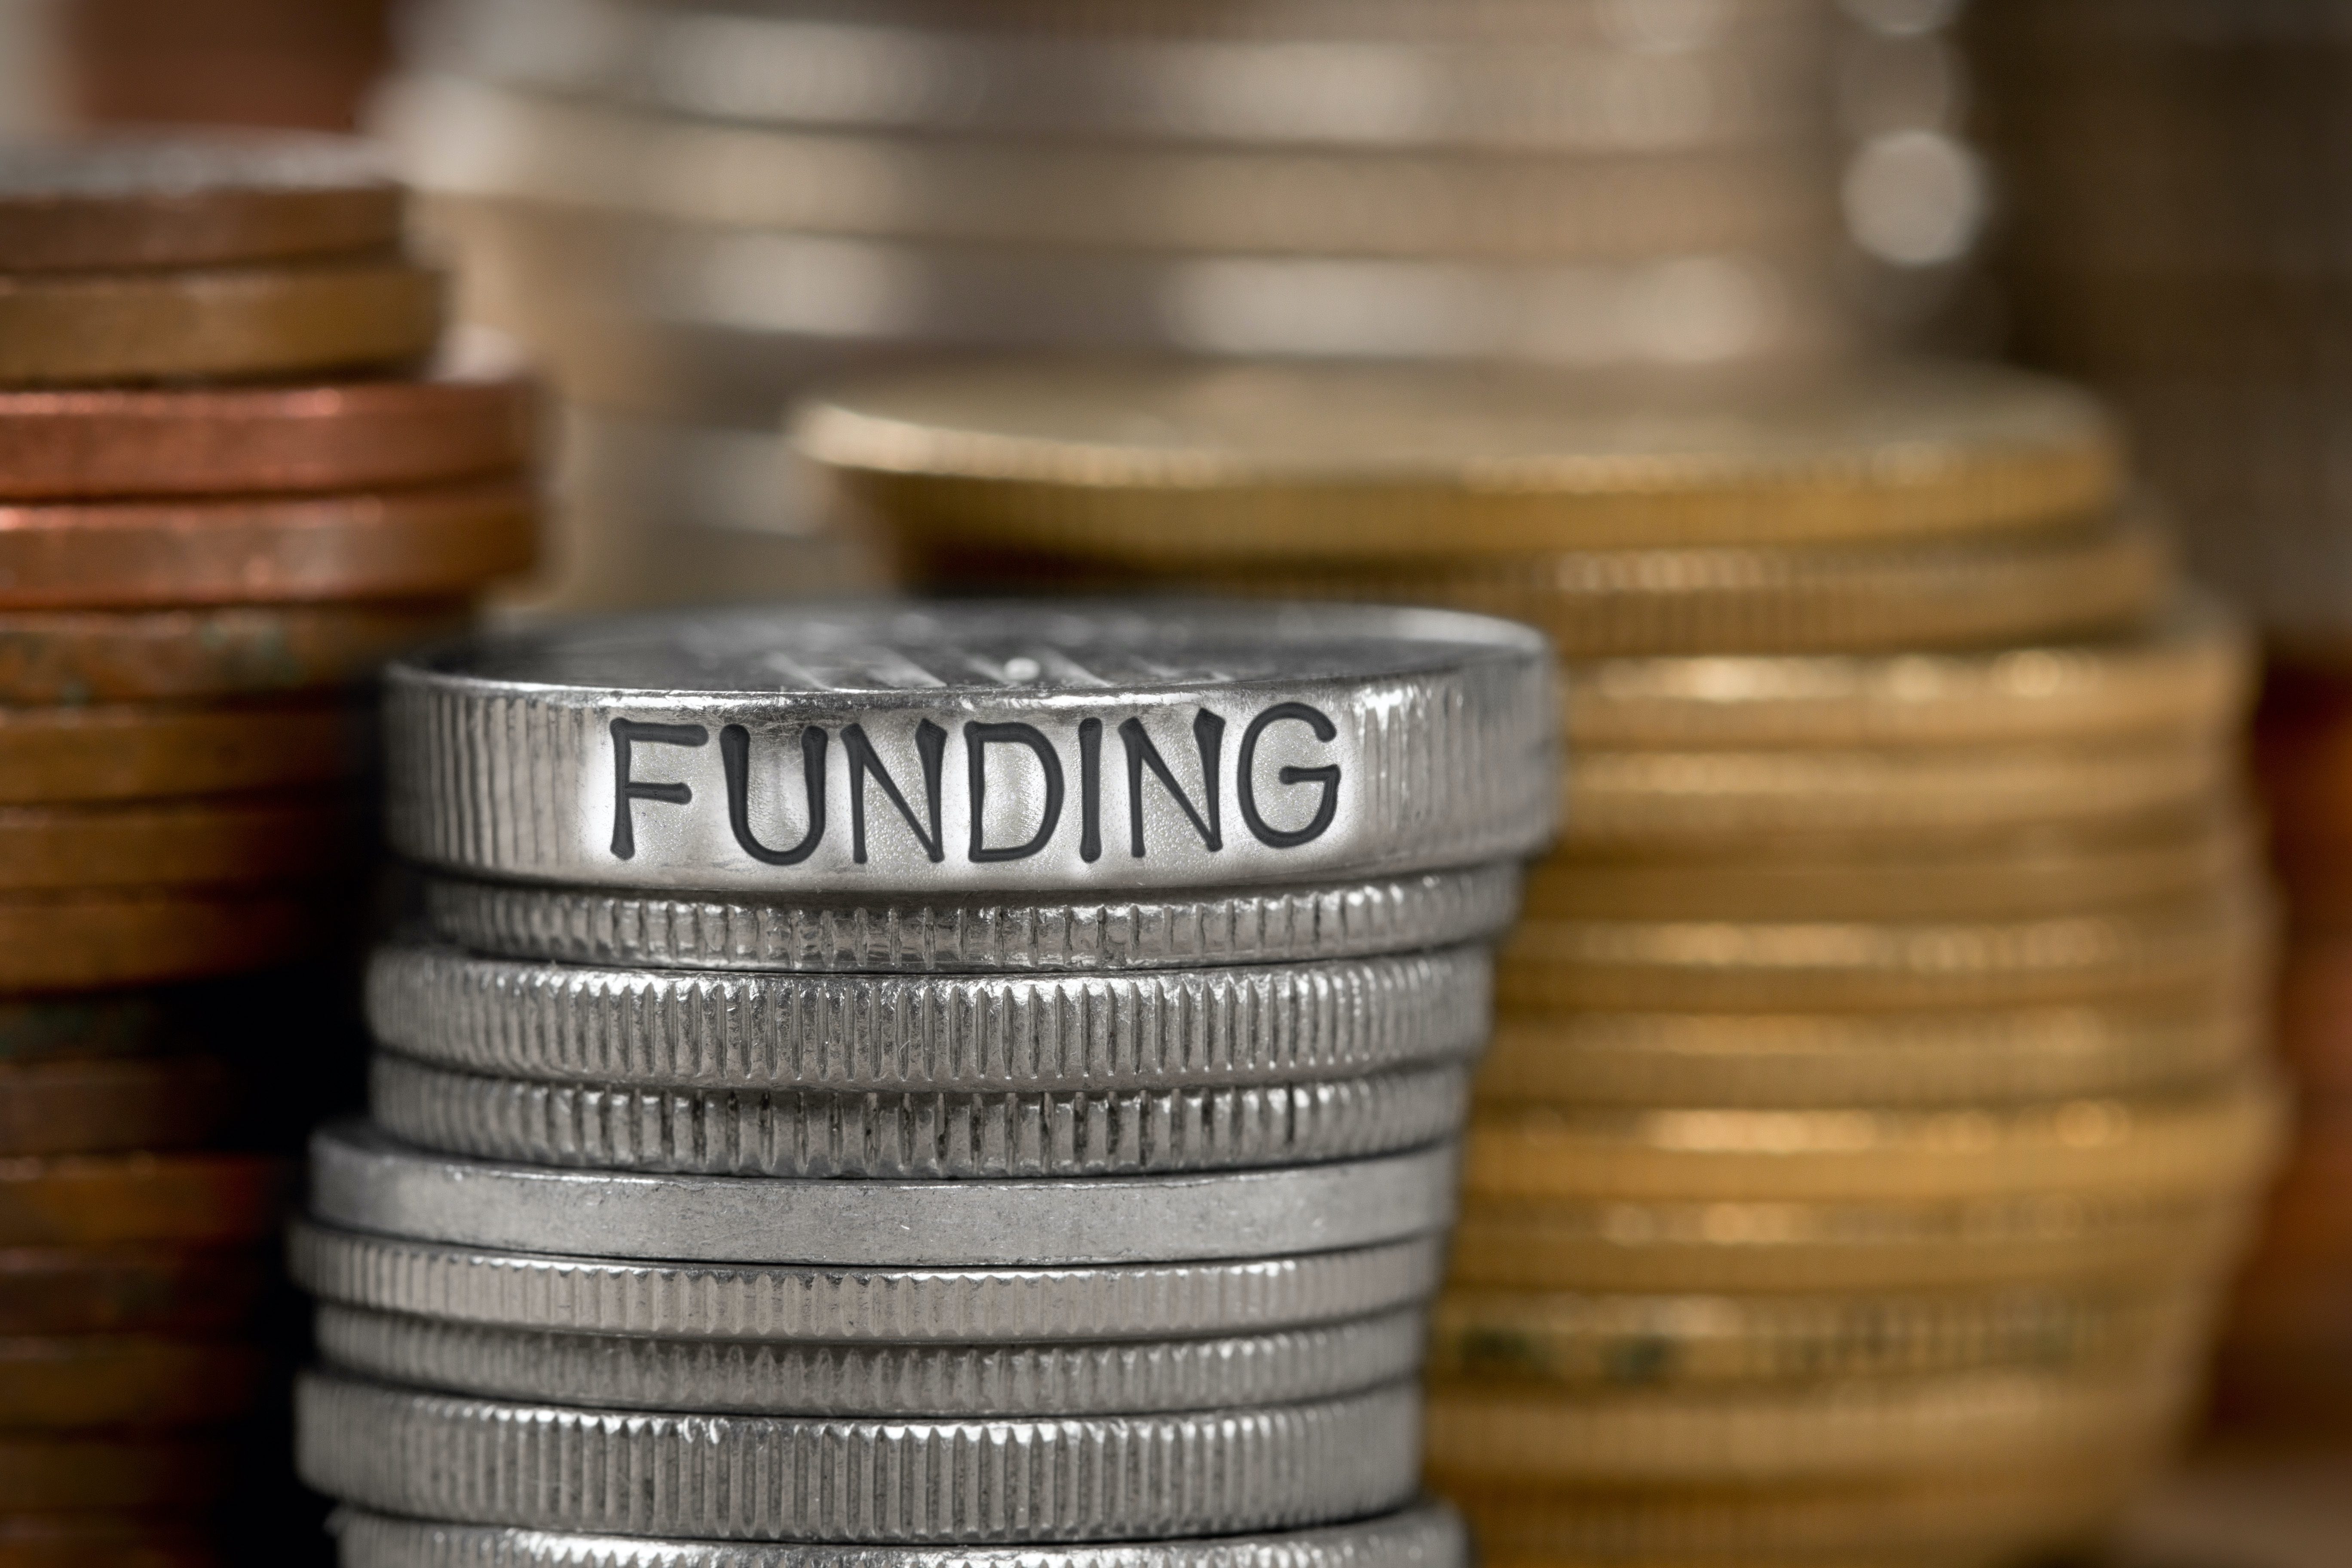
(971, 747)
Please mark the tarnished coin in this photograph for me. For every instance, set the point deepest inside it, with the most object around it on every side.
(787, 1378)
(184, 1538)
(1260, 1023)
(54, 1472)
(98, 1105)
(120, 1024)
(1173, 929)
(1841, 1430)
(78, 941)
(1424, 1535)
(132, 1287)
(1096, 745)
(2081, 580)
(244, 440)
(1576, 1343)
(774, 1477)
(432, 541)
(361, 1179)
(1855, 1244)
(285, 321)
(852, 1306)
(191, 199)
(135, 751)
(94, 1200)
(928, 1134)
(1832, 966)
(126, 1381)
(215, 841)
(74, 657)
(2218, 1141)
(1267, 463)
(2143, 1045)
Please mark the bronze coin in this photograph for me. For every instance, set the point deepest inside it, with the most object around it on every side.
(126, 1023)
(109, 1104)
(108, 203)
(109, 1540)
(132, 1287)
(101, 1200)
(122, 441)
(128, 1380)
(215, 841)
(64, 329)
(242, 651)
(151, 752)
(430, 541)
(61, 1472)
(93, 942)
(2314, 1012)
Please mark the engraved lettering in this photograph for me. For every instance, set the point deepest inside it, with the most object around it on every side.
(977, 739)
(735, 751)
(1209, 737)
(1326, 775)
(627, 732)
(931, 745)
(1090, 789)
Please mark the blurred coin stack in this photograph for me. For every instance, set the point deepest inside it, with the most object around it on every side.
(693, 209)
(970, 1080)
(1876, 1107)
(221, 503)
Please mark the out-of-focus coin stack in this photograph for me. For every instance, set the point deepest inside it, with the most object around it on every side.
(694, 209)
(972, 1078)
(1876, 1106)
(195, 580)
(297, 65)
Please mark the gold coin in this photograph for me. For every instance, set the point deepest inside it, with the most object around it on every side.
(2191, 672)
(2034, 872)
(2189, 1145)
(2075, 580)
(1836, 966)
(1603, 1342)
(1848, 1430)
(1914, 795)
(1853, 1244)
(1262, 463)
(1952, 1518)
(1950, 1056)
(232, 323)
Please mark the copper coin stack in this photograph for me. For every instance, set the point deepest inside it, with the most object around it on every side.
(1876, 1106)
(692, 209)
(223, 499)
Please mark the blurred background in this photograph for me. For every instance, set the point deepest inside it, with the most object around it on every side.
(690, 212)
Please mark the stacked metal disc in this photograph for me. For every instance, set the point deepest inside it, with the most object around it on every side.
(971, 1079)
(693, 209)
(1876, 1107)
(222, 500)
(2175, 176)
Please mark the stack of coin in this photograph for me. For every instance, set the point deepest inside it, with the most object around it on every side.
(199, 568)
(694, 208)
(929, 1078)
(1874, 1112)
(2175, 175)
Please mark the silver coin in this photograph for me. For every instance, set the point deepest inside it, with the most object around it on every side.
(1170, 930)
(361, 1179)
(768, 1377)
(1096, 745)
(1529, 92)
(1425, 1535)
(920, 1135)
(733, 1478)
(925, 1306)
(1243, 1024)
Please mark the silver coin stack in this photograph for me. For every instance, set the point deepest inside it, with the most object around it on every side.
(694, 210)
(972, 1077)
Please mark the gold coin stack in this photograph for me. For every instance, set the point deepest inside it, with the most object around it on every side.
(693, 210)
(222, 503)
(1876, 1109)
